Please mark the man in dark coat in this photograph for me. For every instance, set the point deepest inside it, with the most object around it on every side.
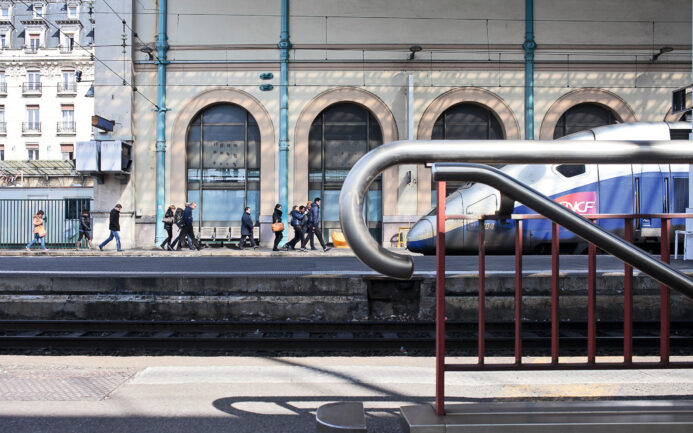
(314, 225)
(188, 226)
(246, 229)
(114, 227)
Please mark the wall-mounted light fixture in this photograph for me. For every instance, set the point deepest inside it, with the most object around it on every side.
(414, 49)
(662, 51)
(148, 51)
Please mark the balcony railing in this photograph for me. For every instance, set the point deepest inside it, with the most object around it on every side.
(66, 128)
(65, 88)
(31, 49)
(3, 128)
(65, 50)
(3, 88)
(31, 88)
(31, 127)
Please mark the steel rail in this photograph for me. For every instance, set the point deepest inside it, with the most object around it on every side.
(366, 170)
(559, 214)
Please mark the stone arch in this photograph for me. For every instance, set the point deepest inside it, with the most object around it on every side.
(471, 95)
(607, 99)
(179, 132)
(313, 108)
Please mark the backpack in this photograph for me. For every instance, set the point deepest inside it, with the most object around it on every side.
(178, 218)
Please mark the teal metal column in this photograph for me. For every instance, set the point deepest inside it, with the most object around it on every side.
(284, 46)
(161, 47)
(529, 47)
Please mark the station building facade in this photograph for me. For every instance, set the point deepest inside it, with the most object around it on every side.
(471, 70)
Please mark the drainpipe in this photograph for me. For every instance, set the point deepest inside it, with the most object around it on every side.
(284, 46)
(161, 47)
(529, 47)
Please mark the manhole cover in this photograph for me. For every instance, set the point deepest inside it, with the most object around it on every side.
(59, 384)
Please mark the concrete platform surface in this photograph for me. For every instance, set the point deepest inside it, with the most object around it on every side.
(281, 265)
(252, 394)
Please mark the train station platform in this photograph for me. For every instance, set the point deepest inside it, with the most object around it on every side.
(278, 395)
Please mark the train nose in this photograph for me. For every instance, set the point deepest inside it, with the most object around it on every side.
(420, 238)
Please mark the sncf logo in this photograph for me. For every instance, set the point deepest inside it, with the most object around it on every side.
(580, 202)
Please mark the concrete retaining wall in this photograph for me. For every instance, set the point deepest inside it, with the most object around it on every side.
(317, 298)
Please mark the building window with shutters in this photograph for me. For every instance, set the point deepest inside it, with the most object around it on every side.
(33, 123)
(67, 119)
(2, 152)
(32, 150)
(67, 151)
(3, 125)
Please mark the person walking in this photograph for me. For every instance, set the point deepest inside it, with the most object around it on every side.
(188, 229)
(114, 227)
(39, 231)
(277, 219)
(168, 226)
(84, 229)
(246, 229)
(314, 225)
(180, 236)
(297, 214)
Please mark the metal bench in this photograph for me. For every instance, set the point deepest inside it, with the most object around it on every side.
(205, 234)
(222, 234)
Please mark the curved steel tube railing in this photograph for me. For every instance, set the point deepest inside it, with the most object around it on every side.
(492, 151)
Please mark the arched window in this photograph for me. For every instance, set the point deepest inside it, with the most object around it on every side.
(465, 122)
(582, 117)
(339, 136)
(223, 165)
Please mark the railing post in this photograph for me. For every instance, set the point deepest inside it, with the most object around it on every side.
(518, 292)
(440, 300)
(591, 302)
(664, 307)
(554, 293)
(482, 293)
(628, 300)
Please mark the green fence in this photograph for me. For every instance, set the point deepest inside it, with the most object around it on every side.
(61, 221)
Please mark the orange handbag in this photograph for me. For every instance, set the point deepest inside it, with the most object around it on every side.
(278, 227)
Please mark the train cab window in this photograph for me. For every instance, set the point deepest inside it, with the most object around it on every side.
(571, 170)
(582, 117)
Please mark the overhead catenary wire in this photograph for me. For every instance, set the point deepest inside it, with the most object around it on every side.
(92, 55)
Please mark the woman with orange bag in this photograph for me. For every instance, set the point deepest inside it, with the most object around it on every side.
(39, 232)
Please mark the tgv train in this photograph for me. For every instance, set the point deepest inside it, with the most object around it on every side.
(586, 189)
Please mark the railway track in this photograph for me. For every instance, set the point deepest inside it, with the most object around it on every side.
(300, 338)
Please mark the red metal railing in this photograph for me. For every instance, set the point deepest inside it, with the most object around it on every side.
(591, 363)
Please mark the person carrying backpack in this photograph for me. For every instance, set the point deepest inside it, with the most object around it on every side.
(168, 226)
(84, 229)
(297, 215)
(178, 221)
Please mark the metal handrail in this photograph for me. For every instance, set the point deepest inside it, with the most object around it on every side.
(369, 167)
(559, 214)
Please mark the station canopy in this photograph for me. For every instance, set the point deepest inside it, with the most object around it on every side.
(37, 168)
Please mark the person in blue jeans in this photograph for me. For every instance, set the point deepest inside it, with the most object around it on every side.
(114, 227)
(39, 231)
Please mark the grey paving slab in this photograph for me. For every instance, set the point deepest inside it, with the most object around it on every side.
(251, 394)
